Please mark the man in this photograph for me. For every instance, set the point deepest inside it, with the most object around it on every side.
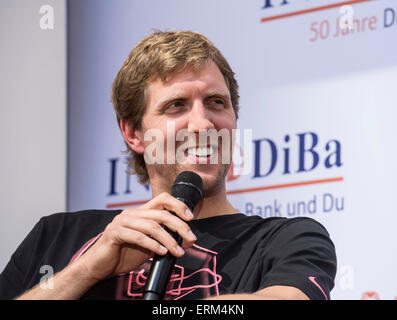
(175, 80)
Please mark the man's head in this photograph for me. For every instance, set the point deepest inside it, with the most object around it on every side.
(155, 62)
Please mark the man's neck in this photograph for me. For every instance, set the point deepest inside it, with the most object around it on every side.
(213, 205)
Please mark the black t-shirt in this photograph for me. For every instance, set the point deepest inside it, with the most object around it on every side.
(234, 253)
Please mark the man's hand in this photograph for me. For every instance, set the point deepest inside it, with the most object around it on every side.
(135, 235)
(127, 242)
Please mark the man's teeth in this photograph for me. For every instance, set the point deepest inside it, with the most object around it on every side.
(201, 151)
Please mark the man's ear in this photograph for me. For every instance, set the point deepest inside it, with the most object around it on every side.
(132, 136)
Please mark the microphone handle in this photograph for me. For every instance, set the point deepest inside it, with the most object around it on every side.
(162, 266)
(160, 272)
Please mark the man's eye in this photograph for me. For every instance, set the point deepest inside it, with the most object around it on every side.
(174, 106)
(177, 104)
(216, 103)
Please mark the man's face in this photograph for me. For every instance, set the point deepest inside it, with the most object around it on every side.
(190, 103)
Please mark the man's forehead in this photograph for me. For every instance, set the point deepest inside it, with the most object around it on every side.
(208, 73)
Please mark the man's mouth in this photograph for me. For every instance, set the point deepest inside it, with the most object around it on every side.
(201, 152)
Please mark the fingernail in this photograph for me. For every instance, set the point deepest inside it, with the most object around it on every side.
(180, 250)
(191, 235)
(163, 249)
(189, 214)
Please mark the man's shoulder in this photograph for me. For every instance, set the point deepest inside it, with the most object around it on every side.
(280, 226)
(68, 231)
(278, 221)
(283, 222)
(92, 218)
(304, 224)
(83, 214)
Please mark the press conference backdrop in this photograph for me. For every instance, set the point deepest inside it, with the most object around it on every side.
(320, 101)
(32, 116)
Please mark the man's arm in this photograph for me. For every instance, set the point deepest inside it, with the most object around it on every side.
(269, 293)
(127, 242)
(69, 284)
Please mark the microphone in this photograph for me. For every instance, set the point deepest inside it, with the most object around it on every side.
(188, 189)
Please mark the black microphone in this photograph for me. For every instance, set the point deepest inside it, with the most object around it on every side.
(188, 189)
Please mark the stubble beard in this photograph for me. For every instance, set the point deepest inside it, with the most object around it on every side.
(164, 174)
(168, 172)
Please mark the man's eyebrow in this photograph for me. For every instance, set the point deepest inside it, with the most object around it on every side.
(181, 96)
(218, 93)
(170, 97)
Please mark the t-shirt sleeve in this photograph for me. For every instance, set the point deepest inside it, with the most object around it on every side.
(300, 254)
(12, 279)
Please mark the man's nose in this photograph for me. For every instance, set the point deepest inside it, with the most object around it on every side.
(199, 118)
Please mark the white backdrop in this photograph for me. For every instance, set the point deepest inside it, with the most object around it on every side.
(305, 87)
(32, 117)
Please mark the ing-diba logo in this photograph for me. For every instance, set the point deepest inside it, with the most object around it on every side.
(257, 158)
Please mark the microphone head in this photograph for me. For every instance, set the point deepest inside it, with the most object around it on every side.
(188, 188)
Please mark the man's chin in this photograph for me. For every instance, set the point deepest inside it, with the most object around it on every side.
(213, 180)
(213, 176)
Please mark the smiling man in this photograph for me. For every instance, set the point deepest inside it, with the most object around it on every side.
(195, 101)
(176, 80)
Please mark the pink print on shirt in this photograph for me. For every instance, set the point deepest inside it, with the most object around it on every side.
(182, 284)
(199, 275)
(313, 279)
